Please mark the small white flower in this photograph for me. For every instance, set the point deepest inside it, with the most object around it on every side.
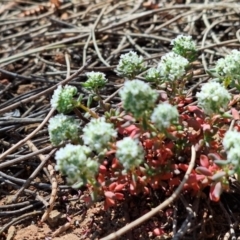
(233, 156)
(184, 42)
(56, 96)
(98, 133)
(137, 97)
(62, 98)
(172, 66)
(231, 144)
(185, 46)
(129, 153)
(152, 74)
(229, 67)
(96, 80)
(130, 65)
(73, 161)
(231, 140)
(61, 128)
(164, 115)
(213, 98)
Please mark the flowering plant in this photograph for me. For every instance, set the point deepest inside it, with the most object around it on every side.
(95, 81)
(129, 153)
(130, 65)
(185, 46)
(74, 161)
(61, 128)
(137, 97)
(172, 66)
(213, 98)
(62, 98)
(153, 75)
(164, 115)
(98, 133)
(228, 69)
(144, 143)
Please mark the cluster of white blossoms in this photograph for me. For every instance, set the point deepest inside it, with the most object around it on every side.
(129, 153)
(152, 74)
(130, 65)
(229, 67)
(231, 144)
(137, 97)
(184, 46)
(213, 98)
(140, 100)
(62, 98)
(74, 162)
(231, 140)
(61, 128)
(95, 80)
(172, 66)
(98, 133)
(164, 115)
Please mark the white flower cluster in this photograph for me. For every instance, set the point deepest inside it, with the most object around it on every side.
(137, 97)
(62, 98)
(231, 144)
(172, 66)
(130, 65)
(153, 74)
(229, 67)
(164, 115)
(129, 153)
(213, 98)
(183, 43)
(61, 128)
(231, 140)
(73, 161)
(96, 80)
(98, 133)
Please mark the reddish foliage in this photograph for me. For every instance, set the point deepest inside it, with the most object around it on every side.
(162, 168)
